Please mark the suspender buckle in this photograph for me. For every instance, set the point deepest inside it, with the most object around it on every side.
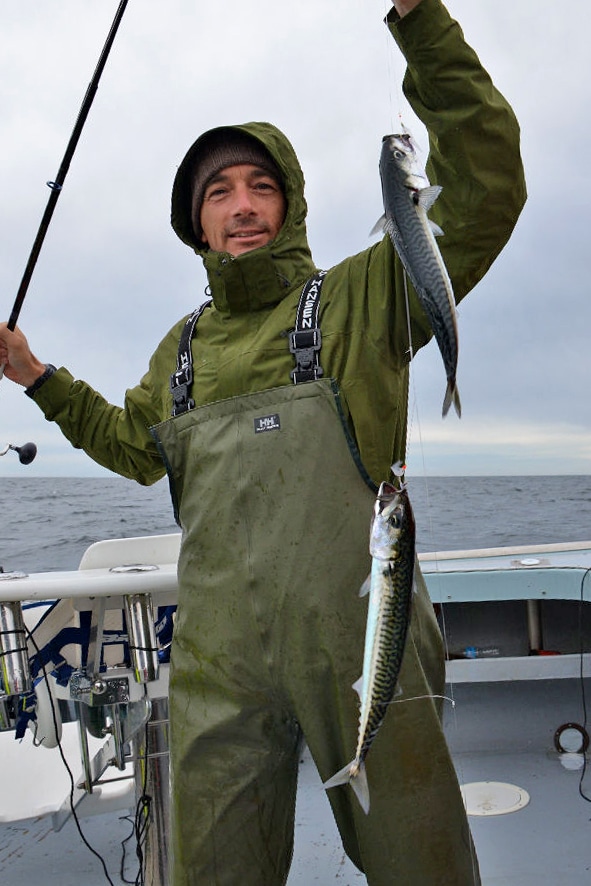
(305, 344)
(180, 387)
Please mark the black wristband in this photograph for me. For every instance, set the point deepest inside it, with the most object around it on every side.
(49, 370)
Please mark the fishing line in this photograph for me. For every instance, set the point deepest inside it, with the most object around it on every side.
(395, 97)
(447, 698)
(413, 410)
(30, 637)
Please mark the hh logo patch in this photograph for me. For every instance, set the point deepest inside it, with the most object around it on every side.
(267, 423)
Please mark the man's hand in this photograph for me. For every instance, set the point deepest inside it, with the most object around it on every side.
(404, 6)
(20, 365)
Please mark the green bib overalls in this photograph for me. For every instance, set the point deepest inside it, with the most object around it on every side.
(269, 638)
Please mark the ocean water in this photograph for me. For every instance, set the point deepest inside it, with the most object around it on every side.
(48, 523)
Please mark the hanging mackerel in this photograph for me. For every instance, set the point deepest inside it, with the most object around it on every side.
(390, 586)
(408, 196)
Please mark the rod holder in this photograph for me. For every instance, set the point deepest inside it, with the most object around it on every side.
(14, 655)
(143, 646)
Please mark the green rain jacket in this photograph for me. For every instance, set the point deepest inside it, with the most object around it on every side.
(241, 346)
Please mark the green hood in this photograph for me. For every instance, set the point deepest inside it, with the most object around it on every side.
(262, 277)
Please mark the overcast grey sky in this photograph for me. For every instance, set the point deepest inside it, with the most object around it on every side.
(112, 277)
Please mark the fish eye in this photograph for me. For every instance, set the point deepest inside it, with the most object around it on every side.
(395, 519)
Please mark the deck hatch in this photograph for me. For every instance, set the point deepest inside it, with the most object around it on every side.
(493, 798)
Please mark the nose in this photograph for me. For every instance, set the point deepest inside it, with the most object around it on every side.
(243, 200)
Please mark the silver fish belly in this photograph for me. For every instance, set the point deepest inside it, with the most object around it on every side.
(408, 196)
(392, 547)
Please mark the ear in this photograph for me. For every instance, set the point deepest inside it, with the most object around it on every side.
(202, 235)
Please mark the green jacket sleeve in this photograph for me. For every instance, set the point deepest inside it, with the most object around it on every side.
(473, 154)
(118, 438)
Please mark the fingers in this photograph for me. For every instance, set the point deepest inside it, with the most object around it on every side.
(20, 364)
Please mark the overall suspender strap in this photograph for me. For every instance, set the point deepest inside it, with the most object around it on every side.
(305, 340)
(181, 381)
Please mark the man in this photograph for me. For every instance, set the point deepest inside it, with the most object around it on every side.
(273, 484)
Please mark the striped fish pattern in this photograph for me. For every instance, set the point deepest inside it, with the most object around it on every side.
(390, 586)
(408, 196)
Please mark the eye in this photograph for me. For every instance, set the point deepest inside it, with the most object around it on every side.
(216, 189)
(395, 519)
(216, 192)
(265, 187)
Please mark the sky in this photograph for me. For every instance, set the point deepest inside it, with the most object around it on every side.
(112, 277)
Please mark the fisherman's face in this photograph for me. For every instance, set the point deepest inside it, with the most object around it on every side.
(243, 208)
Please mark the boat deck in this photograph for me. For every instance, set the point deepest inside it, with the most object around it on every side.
(498, 732)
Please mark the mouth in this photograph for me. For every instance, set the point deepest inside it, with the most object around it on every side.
(242, 239)
(246, 235)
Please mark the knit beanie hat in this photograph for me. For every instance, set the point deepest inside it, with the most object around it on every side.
(217, 150)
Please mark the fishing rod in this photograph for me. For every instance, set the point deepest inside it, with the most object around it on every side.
(56, 186)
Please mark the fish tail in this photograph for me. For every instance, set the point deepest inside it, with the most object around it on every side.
(452, 395)
(353, 773)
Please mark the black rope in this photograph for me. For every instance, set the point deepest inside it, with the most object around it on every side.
(140, 823)
(57, 185)
(143, 813)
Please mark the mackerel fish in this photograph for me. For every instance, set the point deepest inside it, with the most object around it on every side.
(408, 196)
(390, 586)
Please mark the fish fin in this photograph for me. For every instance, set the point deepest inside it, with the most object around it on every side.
(393, 232)
(435, 229)
(427, 196)
(343, 776)
(389, 227)
(358, 686)
(364, 589)
(452, 395)
(361, 787)
(356, 776)
(379, 227)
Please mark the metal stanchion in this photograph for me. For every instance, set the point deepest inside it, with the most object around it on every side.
(14, 656)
